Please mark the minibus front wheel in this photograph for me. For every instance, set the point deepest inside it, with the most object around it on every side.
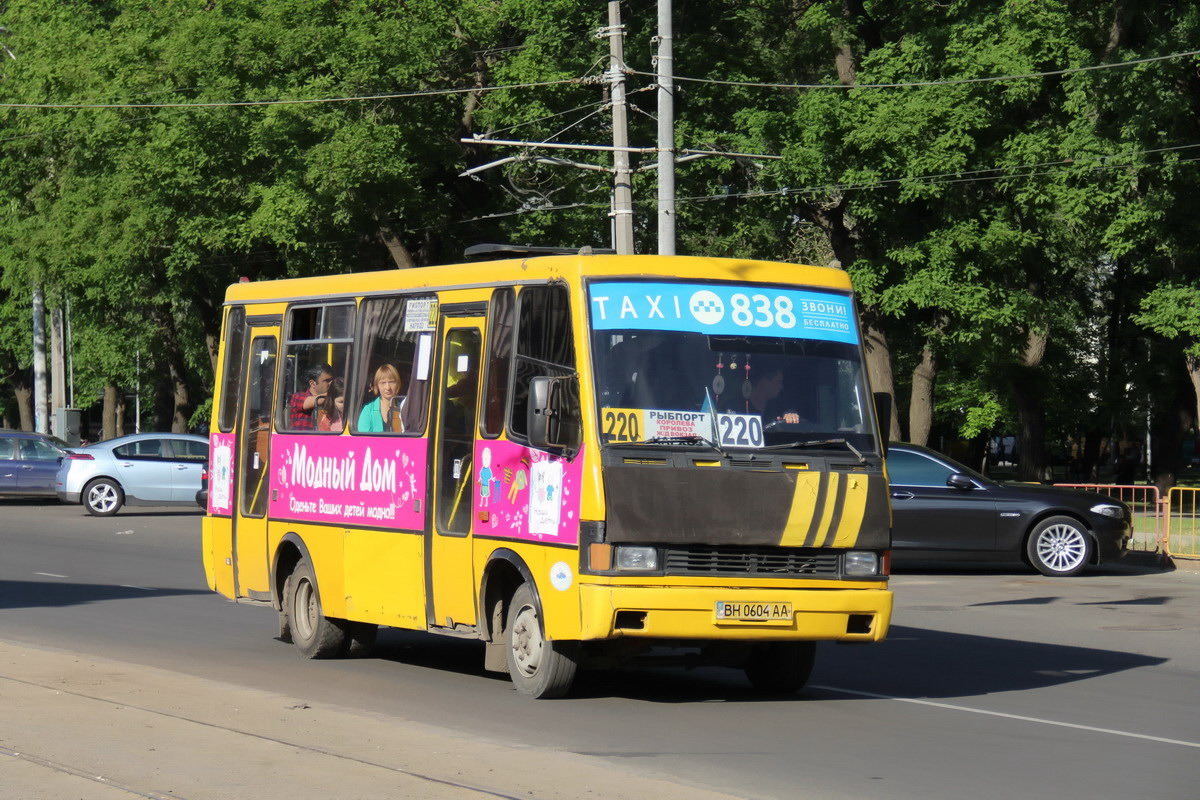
(780, 668)
(539, 667)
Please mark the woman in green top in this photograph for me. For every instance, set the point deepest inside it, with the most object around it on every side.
(380, 415)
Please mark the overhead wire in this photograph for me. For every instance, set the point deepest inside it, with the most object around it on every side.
(913, 84)
(298, 101)
(939, 179)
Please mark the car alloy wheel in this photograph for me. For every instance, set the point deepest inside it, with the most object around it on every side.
(1059, 546)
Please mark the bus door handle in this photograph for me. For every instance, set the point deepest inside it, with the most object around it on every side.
(902, 495)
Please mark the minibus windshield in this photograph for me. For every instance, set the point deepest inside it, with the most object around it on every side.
(728, 366)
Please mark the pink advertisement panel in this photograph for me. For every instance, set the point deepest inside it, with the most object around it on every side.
(522, 493)
(374, 481)
(220, 473)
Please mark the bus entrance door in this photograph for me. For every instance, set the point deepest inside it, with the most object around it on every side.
(253, 467)
(451, 570)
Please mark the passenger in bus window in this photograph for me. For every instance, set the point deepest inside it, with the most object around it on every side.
(385, 412)
(330, 417)
(304, 403)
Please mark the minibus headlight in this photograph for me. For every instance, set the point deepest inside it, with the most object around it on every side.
(861, 562)
(639, 559)
(1108, 510)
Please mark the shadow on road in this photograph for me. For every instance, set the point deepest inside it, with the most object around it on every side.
(189, 510)
(914, 662)
(1148, 565)
(50, 593)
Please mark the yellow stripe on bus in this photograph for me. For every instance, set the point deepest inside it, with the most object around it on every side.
(853, 509)
(830, 507)
(804, 505)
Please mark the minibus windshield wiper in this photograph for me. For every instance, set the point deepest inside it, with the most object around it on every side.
(689, 439)
(817, 443)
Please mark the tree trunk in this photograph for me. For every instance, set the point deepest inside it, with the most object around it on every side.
(1028, 391)
(1193, 370)
(879, 366)
(401, 257)
(109, 414)
(1166, 440)
(181, 406)
(1172, 412)
(120, 415)
(920, 405)
(24, 394)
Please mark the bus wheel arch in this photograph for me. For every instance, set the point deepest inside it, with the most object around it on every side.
(503, 575)
(341, 637)
(288, 554)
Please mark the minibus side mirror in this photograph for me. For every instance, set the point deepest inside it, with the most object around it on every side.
(883, 413)
(554, 418)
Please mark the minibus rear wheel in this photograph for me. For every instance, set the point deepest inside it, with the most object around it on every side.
(314, 634)
(780, 668)
(539, 667)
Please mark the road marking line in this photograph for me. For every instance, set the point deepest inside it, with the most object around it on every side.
(131, 586)
(50, 574)
(1010, 716)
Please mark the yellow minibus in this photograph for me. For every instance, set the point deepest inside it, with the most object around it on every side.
(573, 458)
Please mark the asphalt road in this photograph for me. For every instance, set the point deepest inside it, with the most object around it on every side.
(994, 683)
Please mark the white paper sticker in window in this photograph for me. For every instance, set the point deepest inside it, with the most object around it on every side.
(420, 314)
(424, 348)
(462, 364)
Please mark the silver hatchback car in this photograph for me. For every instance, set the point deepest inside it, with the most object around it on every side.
(142, 469)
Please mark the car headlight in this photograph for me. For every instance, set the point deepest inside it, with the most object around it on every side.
(1108, 510)
(637, 559)
(861, 562)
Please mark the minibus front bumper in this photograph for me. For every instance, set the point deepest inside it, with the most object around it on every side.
(691, 612)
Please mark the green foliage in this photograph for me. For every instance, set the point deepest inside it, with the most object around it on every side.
(972, 217)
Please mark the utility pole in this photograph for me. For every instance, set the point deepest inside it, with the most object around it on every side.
(623, 177)
(665, 70)
(40, 422)
(58, 372)
(621, 214)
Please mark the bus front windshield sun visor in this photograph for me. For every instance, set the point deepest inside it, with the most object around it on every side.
(726, 389)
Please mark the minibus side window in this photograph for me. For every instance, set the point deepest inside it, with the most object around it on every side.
(545, 346)
(500, 347)
(235, 353)
(316, 360)
(390, 392)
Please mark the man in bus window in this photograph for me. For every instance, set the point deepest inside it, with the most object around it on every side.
(385, 412)
(300, 414)
(763, 394)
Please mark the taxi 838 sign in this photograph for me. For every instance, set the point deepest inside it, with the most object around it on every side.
(723, 309)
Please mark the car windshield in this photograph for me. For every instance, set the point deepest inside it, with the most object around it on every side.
(727, 365)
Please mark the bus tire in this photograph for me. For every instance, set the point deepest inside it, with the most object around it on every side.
(780, 668)
(539, 668)
(314, 634)
(360, 639)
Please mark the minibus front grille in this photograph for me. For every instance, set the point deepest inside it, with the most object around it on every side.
(761, 561)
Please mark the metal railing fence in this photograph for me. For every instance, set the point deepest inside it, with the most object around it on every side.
(1183, 523)
(1147, 507)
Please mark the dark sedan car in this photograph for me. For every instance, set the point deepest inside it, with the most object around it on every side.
(944, 510)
